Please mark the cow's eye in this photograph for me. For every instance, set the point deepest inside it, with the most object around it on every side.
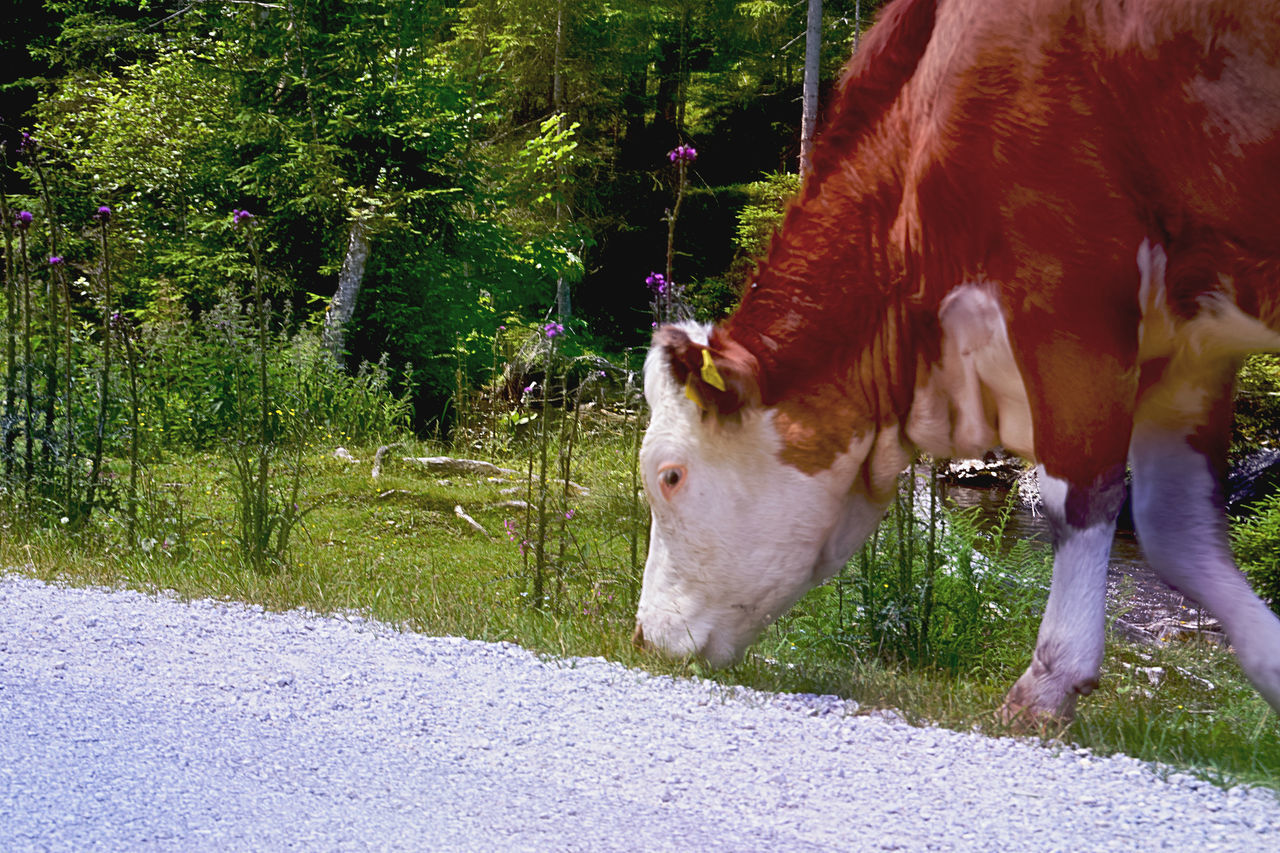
(670, 478)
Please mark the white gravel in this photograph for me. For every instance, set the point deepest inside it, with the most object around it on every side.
(133, 722)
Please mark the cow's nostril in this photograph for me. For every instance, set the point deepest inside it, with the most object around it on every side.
(637, 639)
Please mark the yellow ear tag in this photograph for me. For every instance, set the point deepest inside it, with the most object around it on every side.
(709, 373)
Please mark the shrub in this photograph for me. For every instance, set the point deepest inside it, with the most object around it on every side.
(1256, 542)
(1257, 404)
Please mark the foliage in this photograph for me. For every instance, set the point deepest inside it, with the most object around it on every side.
(493, 150)
(1257, 400)
(265, 109)
(1256, 543)
(762, 215)
(934, 588)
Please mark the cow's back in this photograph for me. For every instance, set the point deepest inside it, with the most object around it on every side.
(1053, 133)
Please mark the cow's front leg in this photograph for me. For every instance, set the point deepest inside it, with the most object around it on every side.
(1069, 648)
(1082, 384)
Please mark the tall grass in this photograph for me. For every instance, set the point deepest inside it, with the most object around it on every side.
(933, 588)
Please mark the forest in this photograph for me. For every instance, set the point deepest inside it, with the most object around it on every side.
(461, 166)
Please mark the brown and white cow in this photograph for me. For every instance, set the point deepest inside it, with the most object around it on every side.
(1052, 225)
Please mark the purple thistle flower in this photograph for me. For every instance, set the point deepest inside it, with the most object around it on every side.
(23, 220)
(553, 329)
(682, 154)
(239, 217)
(54, 261)
(103, 214)
(657, 282)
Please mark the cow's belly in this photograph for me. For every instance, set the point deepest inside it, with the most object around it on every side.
(974, 398)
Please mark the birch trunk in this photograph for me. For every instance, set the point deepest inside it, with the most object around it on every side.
(809, 113)
(350, 277)
(564, 309)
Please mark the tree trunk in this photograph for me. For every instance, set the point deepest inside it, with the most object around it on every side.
(812, 54)
(564, 308)
(857, 25)
(350, 277)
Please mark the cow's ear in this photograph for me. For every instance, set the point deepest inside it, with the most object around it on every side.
(722, 377)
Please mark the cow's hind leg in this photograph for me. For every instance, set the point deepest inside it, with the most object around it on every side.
(1178, 452)
(1069, 647)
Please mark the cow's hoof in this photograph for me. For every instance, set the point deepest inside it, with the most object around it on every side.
(1020, 719)
(1031, 708)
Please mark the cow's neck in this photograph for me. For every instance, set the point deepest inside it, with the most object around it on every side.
(836, 319)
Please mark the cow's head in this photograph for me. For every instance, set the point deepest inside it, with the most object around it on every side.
(739, 531)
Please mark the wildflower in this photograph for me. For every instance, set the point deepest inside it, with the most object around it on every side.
(657, 282)
(239, 217)
(103, 215)
(54, 261)
(570, 514)
(27, 144)
(553, 329)
(23, 220)
(682, 154)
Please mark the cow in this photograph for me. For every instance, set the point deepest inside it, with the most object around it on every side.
(1047, 225)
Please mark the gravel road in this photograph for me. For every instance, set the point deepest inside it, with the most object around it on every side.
(140, 722)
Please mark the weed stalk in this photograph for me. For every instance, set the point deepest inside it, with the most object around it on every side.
(104, 378)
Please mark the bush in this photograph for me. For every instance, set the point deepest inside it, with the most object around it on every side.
(763, 213)
(1256, 542)
(1257, 402)
(197, 376)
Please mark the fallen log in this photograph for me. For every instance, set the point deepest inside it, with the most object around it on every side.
(449, 465)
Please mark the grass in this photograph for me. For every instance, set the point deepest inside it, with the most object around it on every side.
(395, 549)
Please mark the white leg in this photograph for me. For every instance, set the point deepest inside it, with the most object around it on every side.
(1178, 510)
(1069, 647)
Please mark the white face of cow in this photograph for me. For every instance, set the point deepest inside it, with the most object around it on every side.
(738, 535)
